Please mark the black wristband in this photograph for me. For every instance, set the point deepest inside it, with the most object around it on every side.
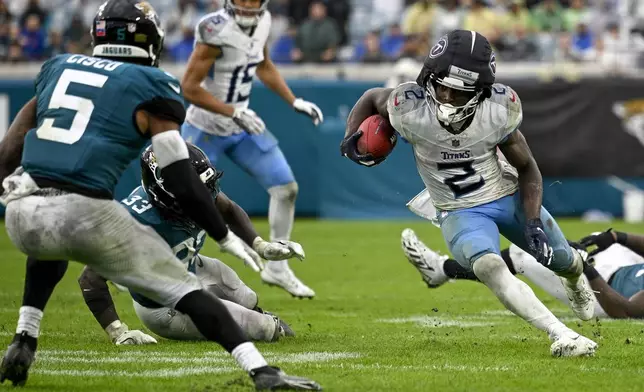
(590, 271)
(620, 237)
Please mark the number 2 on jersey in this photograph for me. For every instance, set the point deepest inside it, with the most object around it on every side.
(61, 100)
(457, 182)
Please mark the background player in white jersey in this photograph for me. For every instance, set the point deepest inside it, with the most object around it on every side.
(455, 117)
(230, 49)
(614, 269)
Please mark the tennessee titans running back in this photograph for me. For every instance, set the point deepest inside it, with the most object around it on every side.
(454, 117)
(230, 49)
(90, 118)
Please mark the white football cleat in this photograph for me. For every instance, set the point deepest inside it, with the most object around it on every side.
(572, 344)
(426, 261)
(580, 296)
(286, 279)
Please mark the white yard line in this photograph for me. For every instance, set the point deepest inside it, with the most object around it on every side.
(56, 357)
(440, 322)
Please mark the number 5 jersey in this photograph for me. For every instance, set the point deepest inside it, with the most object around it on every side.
(231, 77)
(463, 170)
(86, 134)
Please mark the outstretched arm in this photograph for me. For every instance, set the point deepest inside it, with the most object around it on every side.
(634, 242)
(240, 224)
(14, 140)
(236, 218)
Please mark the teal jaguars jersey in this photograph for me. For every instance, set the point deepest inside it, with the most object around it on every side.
(628, 280)
(86, 135)
(185, 239)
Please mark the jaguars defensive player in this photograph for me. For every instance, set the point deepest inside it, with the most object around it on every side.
(154, 207)
(230, 49)
(90, 118)
(615, 270)
(454, 117)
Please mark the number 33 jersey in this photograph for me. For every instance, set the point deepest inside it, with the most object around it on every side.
(464, 170)
(230, 79)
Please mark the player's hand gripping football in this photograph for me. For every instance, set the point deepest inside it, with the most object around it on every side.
(602, 241)
(349, 149)
(537, 241)
(249, 121)
(310, 109)
(278, 250)
(234, 245)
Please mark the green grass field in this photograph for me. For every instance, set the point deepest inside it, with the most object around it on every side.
(374, 326)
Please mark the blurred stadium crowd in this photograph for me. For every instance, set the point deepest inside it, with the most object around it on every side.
(367, 31)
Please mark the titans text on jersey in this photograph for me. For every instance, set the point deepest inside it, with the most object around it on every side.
(462, 170)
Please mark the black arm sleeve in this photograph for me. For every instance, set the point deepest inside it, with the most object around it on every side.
(181, 179)
(97, 297)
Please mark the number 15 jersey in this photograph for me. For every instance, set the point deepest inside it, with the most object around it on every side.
(464, 170)
(230, 79)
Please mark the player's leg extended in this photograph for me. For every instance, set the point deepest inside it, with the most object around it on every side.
(566, 262)
(222, 281)
(473, 239)
(172, 324)
(102, 234)
(261, 157)
(547, 280)
(41, 278)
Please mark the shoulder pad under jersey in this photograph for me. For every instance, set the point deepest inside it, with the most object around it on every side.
(210, 26)
(404, 99)
(507, 106)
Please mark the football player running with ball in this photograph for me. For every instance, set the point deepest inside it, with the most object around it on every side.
(454, 117)
(89, 119)
(230, 49)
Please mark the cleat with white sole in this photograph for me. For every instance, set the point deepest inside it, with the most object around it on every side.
(572, 345)
(286, 279)
(428, 263)
(580, 296)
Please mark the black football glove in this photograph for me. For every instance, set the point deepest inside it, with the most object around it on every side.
(349, 149)
(602, 240)
(537, 241)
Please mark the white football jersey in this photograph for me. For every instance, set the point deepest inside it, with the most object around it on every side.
(464, 170)
(616, 256)
(231, 78)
